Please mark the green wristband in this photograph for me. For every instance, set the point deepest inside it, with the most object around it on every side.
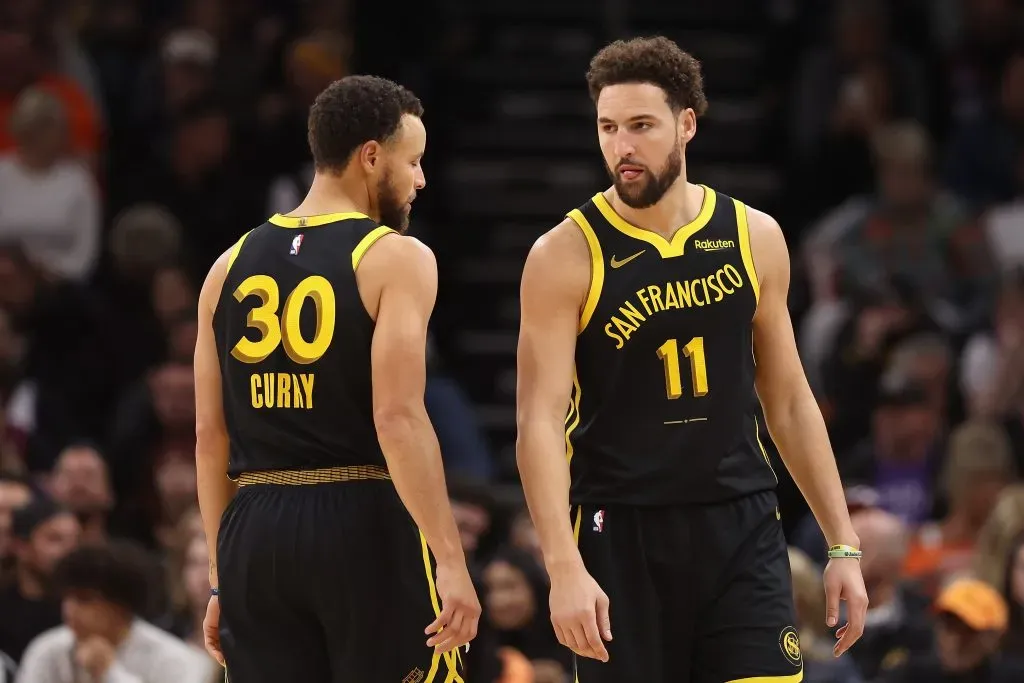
(837, 552)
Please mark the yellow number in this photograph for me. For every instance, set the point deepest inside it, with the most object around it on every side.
(274, 330)
(694, 350)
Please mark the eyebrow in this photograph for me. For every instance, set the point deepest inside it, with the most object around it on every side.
(631, 119)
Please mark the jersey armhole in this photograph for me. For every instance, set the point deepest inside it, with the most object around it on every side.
(368, 241)
(743, 227)
(235, 250)
(596, 267)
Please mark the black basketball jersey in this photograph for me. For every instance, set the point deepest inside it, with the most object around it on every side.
(663, 408)
(293, 338)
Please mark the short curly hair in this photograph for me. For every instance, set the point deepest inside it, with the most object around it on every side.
(658, 61)
(352, 111)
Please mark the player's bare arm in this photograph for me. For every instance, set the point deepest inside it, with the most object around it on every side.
(398, 284)
(796, 425)
(215, 489)
(554, 287)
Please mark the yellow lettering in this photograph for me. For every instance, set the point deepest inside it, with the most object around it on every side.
(268, 389)
(307, 388)
(707, 297)
(670, 296)
(733, 275)
(634, 316)
(619, 341)
(274, 331)
(641, 294)
(284, 390)
(713, 285)
(625, 329)
(257, 391)
(655, 294)
(297, 395)
(685, 294)
(721, 285)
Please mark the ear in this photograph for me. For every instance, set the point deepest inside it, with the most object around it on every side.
(687, 125)
(369, 155)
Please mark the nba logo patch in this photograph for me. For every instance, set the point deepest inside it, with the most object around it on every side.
(599, 521)
(296, 245)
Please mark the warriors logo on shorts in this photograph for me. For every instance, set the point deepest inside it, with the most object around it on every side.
(789, 643)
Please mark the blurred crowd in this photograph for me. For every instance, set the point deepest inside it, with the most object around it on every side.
(139, 139)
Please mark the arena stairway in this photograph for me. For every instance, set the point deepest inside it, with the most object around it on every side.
(525, 151)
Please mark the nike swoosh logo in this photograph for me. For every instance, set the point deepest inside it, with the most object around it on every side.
(619, 264)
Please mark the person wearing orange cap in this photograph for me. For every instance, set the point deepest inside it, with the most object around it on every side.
(972, 617)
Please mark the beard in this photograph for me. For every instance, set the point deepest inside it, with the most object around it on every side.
(653, 186)
(393, 208)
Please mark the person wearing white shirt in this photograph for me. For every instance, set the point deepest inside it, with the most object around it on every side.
(48, 203)
(103, 588)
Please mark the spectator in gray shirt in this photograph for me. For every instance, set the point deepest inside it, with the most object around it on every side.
(103, 589)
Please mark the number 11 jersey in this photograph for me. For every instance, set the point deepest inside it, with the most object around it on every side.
(293, 340)
(663, 409)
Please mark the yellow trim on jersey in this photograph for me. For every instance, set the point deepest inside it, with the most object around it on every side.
(791, 678)
(283, 221)
(576, 524)
(666, 248)
(574, 412)
(757, 436)
(449, 657)
(748, 257)
(235, 249)
(596, 267)
(364, 244)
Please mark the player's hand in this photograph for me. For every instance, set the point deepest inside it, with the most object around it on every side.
(579, 613)
(460, 609)
(211, 629)
(844, 581)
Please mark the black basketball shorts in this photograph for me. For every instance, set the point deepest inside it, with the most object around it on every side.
(698, 594)
(327, 583)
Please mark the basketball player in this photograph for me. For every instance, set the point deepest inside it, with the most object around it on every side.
(657, 313)
(310, 372)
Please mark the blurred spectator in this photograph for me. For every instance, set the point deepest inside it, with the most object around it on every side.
(985, 152)
(43, 534)
(820, 664)
(48, 203)
(915, 233)
(988, 372)
(81, 483)
(471, 505)
(901, 459)
(516, 596)
(1013, 593)
(523, 536)
(898, 622)
(15, 492)
(979, 464)
(1002, 224)
(189, 575)
(103, 589)
(69, 374)
(27, 60)
(996, 538)
(972, 620)
(844, 91)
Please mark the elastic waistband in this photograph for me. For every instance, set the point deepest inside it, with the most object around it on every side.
(324, 475)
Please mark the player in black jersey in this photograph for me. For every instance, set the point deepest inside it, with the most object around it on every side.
(660, 339)
(311, 428)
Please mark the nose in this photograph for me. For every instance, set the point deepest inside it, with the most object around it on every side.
(623, 145)
(421, 179)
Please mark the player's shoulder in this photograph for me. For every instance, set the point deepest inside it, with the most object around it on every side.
(561, 246)
(767, 239)
(396, 251)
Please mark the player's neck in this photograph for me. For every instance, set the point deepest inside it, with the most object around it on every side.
(678, 207)
(335, 194)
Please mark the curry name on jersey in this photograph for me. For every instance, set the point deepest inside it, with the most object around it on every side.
(293, 339)
(663, 408)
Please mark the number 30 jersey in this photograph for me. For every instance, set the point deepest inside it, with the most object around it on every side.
(663, 409)
(293, 340)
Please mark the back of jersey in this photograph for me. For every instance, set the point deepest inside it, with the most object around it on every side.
(293, 339)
